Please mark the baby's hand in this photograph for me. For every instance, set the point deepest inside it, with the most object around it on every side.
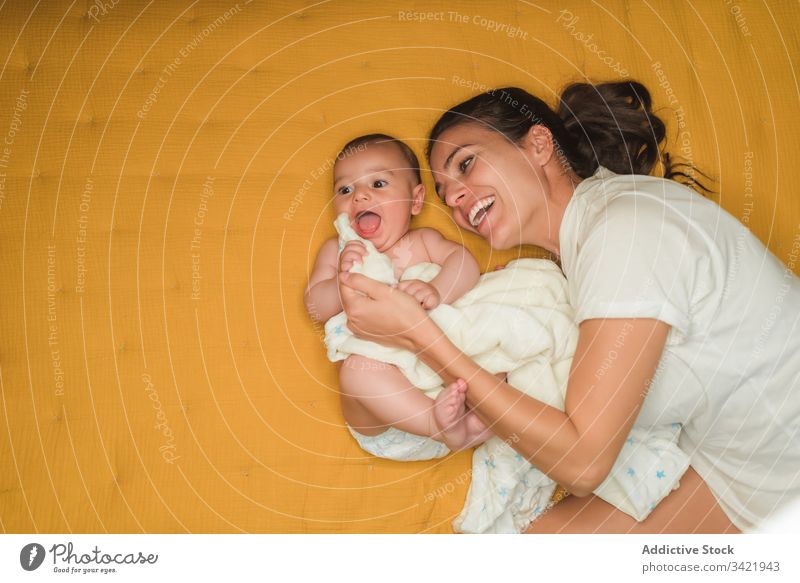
(354, 251)
(425, 293)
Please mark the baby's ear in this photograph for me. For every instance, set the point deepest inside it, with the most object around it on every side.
(417, 199)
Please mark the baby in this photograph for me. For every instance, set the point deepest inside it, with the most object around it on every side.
(377, 184)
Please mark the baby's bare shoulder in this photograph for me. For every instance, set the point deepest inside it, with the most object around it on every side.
(426, 233)
(432, 238)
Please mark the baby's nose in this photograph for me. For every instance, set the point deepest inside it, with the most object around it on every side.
(361, 193)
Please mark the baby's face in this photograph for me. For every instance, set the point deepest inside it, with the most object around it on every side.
(377, 190)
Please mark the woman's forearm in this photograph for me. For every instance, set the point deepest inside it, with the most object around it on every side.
(544, 435)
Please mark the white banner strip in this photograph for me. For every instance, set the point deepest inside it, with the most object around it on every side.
(389, 558)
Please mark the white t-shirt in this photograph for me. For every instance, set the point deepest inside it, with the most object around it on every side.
(640, 246)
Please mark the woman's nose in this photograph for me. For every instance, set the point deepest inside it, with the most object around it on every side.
(455, 195)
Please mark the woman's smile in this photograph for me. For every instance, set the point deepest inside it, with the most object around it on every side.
(482, 217)
(479, 210)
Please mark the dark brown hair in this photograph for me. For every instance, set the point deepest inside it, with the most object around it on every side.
(610, 124)
(408, 153)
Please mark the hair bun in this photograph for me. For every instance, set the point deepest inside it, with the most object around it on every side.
(612, 125)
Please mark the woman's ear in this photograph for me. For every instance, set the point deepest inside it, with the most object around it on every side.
(539, 145)
(417, 198)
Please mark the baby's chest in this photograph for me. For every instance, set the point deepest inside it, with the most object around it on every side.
(406, 252)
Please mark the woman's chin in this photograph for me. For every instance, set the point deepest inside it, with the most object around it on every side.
(499, 245)
(495, 238)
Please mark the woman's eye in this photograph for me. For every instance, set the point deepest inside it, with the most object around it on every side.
(379, 184)
(345, 190)
(465, 163)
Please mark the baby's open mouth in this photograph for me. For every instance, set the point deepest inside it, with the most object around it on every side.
(367, 223)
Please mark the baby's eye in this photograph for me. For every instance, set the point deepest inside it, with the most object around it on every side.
(379, 184)
(345, 190)
(465, 163)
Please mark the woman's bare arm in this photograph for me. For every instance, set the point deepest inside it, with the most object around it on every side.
(614, 362)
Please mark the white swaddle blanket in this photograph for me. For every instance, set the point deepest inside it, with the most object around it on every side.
(516, 320)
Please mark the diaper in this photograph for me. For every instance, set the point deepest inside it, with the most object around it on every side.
(648, 468)
(398, 445)
(507, 493)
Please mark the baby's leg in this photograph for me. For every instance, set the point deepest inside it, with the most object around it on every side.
(376, 395)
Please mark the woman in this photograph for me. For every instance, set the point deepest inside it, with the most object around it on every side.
(681, 310)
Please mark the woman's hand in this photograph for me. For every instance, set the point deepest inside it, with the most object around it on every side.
(381, 313)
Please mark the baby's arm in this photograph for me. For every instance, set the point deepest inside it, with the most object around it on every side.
(322, 293)
(460, 271)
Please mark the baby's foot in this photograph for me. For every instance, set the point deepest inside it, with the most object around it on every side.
(459, 428)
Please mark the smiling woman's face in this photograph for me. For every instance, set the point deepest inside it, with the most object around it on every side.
(494, 188)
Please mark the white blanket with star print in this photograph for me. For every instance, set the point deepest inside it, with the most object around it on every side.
(516, 320)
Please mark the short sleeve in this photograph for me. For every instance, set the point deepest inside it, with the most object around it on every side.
(636, 261)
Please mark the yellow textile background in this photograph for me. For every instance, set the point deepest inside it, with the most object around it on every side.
(165, 190)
